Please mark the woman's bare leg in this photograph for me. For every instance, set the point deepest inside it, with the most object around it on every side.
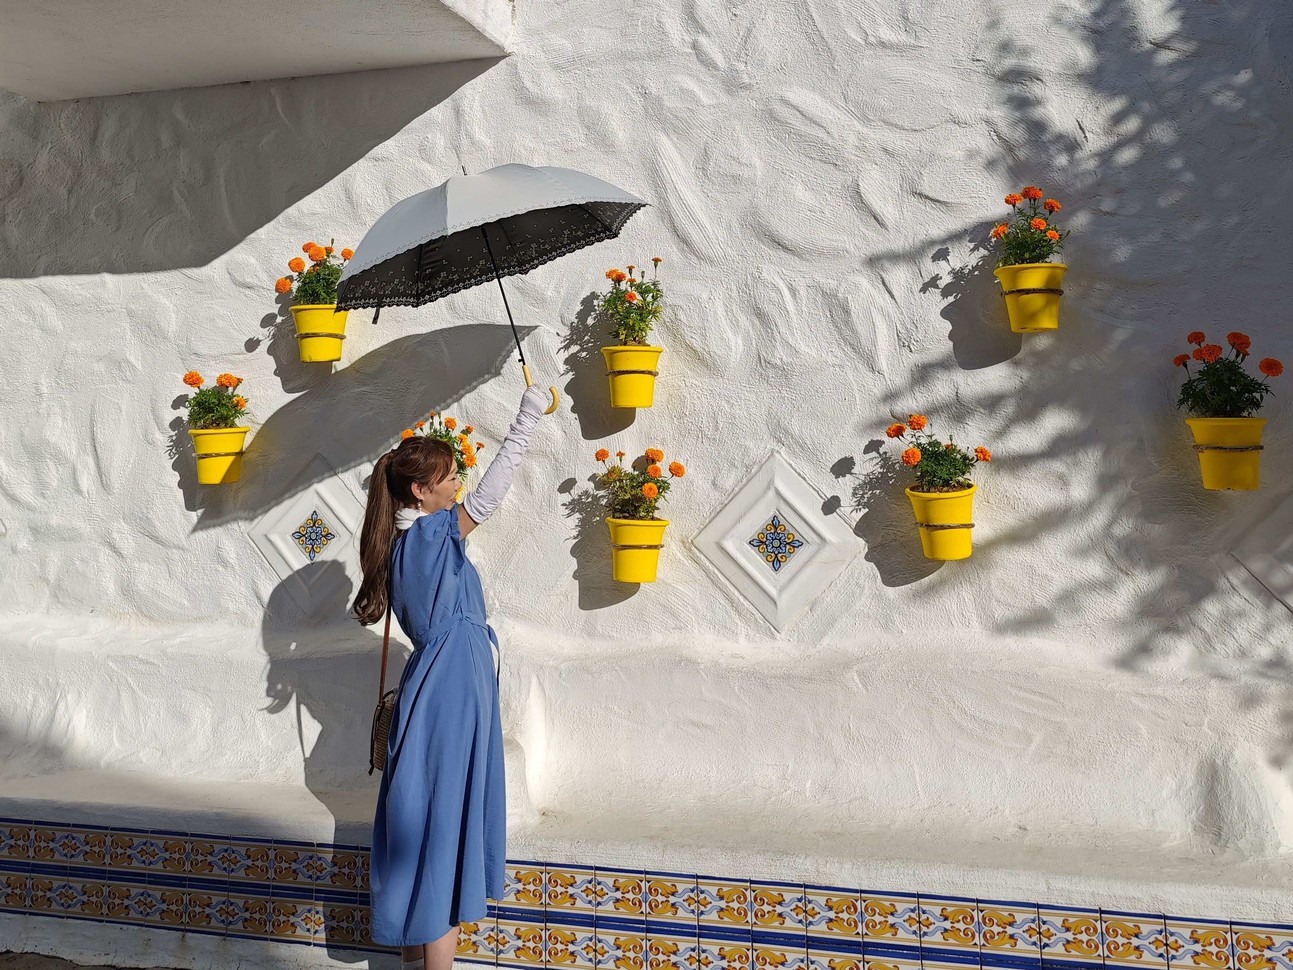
(439, 955)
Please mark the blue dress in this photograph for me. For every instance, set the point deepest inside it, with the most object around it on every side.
(440, 830)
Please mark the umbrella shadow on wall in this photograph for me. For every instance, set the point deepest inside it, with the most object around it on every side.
(587, 389)
(591, 550)
(161, 180)
(349, 419)
(886, 524)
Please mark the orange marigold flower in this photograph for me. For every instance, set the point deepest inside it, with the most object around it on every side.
(619, 454)
(1180, 360)
(1211, 353)
(677, 469)
(949, 447)
(631, 296)
(1039, 223)
(239, 401)
(657, 260)
(610, 273)
(653, 471)
(451, 423)
(228, 380)
(462, 439)
(982, 454)
(651, 490)
(308, 246)
(1240, 341)
(469, 460)
(1000, 230)
(193, 379)
(318, 254)
(296, 264)
(1052, 205)
(1014, 198)
(347, 254)
(602, 454)
(480, 446)
(1052, 235)
(1198, 353)
(469, 429)
(327, 250)
(1195, 337)
(1032, 192)
(1270, 367)
(654, 454)
(918, 422)
(420, 424)
(631, 268)
(911, 457)
(283, 285)
(406, 433)
(896, 430)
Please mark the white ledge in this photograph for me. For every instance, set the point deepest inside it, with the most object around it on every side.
(85, 48)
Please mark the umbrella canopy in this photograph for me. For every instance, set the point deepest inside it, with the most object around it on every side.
(475, 228)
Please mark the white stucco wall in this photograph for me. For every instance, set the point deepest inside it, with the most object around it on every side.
(1103, 676)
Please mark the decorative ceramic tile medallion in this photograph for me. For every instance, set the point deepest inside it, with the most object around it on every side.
(775, 543)
(312, 535)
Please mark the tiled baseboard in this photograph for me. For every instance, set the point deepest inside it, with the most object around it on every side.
(593, 917)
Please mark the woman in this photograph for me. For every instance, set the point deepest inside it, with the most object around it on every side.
(439, 833)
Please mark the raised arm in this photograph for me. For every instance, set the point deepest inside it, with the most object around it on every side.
(481, 502)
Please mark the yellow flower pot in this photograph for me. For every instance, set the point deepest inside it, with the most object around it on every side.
(1229, 451)
(632, 371)
(946, 521)
(219, 452)
(635, 548)
(1032, 292)
(319, 331)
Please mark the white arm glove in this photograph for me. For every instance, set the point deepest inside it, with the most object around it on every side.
(481, 502)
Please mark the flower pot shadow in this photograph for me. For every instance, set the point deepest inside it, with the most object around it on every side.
(980, 330)
(588, 389)
(279, 333)
(886, 523)
(586, 511)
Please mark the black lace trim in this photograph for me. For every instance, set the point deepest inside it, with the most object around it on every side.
(460, 261)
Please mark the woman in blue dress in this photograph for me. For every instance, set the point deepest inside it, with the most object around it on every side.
(439, 833)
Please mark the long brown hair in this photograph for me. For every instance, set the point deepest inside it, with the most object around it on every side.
(417, 459)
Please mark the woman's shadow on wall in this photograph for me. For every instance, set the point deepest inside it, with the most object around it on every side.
(157, 181)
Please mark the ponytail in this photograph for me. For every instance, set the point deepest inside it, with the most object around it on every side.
(375, 541)
(417, 459)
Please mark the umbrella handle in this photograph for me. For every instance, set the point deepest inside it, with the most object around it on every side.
(529, 382)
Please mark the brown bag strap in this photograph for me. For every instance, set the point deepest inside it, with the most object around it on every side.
(386, 642)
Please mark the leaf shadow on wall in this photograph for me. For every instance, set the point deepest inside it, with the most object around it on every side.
(591, 549)
(587, 388)
(156, 181)
(1175, 167)
(350, 417)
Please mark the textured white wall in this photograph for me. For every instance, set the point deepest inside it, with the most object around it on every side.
(821, 174)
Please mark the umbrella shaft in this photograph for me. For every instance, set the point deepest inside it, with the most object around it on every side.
(516, 336)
